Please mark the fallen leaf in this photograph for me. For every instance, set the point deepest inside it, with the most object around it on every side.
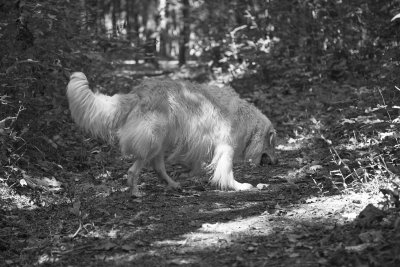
(113, 233)
(372, 236)
(346, 121)
(315, 168)
(129, 247)
(47, 182)
(106, 245)
(358, 248)
(251, 249)
(262, 186)
(23, 182)
(369, 215)
(76, 208)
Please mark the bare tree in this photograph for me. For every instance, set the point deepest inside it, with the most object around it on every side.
(185, 33)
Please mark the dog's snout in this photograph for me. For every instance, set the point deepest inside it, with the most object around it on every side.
(274, 161)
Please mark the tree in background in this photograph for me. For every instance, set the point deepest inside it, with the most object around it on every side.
(185, 32)
(328, 38)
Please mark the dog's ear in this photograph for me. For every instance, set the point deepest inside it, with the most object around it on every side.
(270, 146)
(254, 147)
(272, 138)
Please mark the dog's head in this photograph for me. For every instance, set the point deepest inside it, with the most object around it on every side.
(261, 145)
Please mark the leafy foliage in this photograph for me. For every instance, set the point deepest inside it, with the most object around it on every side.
(338, 40)
(41, 42)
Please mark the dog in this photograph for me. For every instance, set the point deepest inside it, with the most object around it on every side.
(192, 123)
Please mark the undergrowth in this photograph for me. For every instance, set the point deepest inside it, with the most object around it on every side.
(365, 155)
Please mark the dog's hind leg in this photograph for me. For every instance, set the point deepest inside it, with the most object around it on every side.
(133, 178)
(222, 163)
(159, 167)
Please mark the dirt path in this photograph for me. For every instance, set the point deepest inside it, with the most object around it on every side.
(281, 225)
(293, 220)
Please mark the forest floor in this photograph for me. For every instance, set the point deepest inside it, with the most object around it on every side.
(321, 205)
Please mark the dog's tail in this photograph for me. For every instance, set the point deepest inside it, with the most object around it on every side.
(94, 112)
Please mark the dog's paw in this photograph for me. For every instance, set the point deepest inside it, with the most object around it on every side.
(242, 186)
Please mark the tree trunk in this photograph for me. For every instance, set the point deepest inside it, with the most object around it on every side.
(136, 29)
(128, 21)
(114, 17)
(101, 22)
(185, 33)
(84, 15)
(164, 26)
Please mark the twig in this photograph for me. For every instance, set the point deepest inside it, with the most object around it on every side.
(21, 108)
(77, 231)
(384, 104)
(390, 118)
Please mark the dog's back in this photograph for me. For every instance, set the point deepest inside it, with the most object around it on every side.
(178, 116)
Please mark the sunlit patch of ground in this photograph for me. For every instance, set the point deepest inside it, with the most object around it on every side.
(11, 200)
(326, 212)
(295, 230)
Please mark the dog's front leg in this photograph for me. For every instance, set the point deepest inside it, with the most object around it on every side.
(223, 174)
(133, 178)
(159, 168)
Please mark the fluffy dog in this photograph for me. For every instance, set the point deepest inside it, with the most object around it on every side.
(192, 123)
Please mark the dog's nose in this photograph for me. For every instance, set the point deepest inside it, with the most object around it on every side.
(266, 159)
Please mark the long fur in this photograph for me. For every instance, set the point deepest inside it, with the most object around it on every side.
(193, 123)
(96, 113)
